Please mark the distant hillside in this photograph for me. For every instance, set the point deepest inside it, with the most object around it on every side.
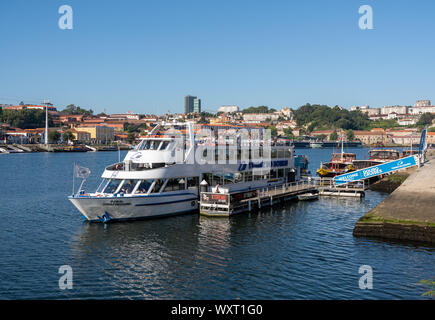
(321, 117)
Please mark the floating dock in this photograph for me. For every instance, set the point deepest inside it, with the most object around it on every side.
(217, 204)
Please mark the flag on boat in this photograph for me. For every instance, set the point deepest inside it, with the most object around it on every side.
(81, 172)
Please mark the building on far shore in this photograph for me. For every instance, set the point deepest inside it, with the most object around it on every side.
(422, 103)
(260, 117)
(192, 104)
(31, 107)
(228, 109)
(98, 133)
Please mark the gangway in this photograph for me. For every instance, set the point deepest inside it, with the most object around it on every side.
(377, 170)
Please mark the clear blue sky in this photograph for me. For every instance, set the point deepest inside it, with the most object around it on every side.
(145, 56)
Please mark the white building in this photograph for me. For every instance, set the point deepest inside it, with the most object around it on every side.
(422, 103)
(228, 109)
(395, 109)
(259, 117)
(421, 110)
(407, 121)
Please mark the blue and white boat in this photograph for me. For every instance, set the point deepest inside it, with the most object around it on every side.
(162, 175)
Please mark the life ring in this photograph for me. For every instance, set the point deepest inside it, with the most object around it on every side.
(118, 167)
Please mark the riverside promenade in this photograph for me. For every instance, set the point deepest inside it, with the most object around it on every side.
(406, 214)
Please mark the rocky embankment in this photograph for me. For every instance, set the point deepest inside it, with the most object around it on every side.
(408, 213)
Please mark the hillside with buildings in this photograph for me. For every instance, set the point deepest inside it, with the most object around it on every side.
(388, 125)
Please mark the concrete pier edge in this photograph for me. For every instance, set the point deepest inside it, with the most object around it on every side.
(408, 213)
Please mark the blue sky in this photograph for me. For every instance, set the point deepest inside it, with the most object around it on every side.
(145, 56)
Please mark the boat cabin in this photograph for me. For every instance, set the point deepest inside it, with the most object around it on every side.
(384, 155)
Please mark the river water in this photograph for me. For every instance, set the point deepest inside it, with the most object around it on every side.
(299, 250)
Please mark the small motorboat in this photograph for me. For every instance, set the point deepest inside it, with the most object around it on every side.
(308, 196)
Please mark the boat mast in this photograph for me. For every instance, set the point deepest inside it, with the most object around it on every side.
(342, 152)
(46, 103)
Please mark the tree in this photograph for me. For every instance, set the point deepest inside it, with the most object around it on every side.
(289, 133)
(350, 135)
(322, 117)
(68, 136)
(333, 136)
(273, 131)
(72, 109)
(25, 119)
(203, 120)
(131, 137)
(425, 119)
(321, 137)
(53, 136)
(260, 109)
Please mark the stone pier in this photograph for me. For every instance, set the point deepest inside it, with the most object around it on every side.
(406, 214)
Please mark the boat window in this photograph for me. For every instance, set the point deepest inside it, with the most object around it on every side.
(273, 153)
(207, 177)
(281, 153)
(140, 145)
(112, 186)
(102, 185)
(175, 184)
(216, 179)
(144, 186)
(287, 153)
(272, 173)
(248, 176)
(146, 145)
(158, 185)
(164, 145)
(192, 182)
(128, 186)
(257, 175)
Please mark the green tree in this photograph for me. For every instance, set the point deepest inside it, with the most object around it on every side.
(273, 131)
(321, 137)
(288, 133)
(203, 119)
(131, 137)
(350, 135)
(53, 136)
(72, 109)
(322, 117)
(67, 136)
(26, 118)
(425, 119)
(260, 109)
(333, 136)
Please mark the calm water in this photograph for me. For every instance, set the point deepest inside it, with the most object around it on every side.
(295, 251)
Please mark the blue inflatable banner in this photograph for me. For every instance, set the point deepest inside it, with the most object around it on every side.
(422, 146)
(376, 170)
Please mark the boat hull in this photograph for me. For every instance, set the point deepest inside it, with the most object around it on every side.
(105, 209)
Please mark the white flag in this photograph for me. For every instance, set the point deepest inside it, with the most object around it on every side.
(82, 172)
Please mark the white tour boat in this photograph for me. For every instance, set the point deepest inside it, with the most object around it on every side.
(162, 175)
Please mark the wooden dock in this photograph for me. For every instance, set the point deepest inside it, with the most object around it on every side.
(214, 204)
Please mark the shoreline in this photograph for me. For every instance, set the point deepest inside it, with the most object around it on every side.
(32, 148)
(407, 213)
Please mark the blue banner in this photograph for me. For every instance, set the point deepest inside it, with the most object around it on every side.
(376, 170)
(422, 145)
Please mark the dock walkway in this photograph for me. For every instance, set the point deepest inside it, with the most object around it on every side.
(226, 204)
